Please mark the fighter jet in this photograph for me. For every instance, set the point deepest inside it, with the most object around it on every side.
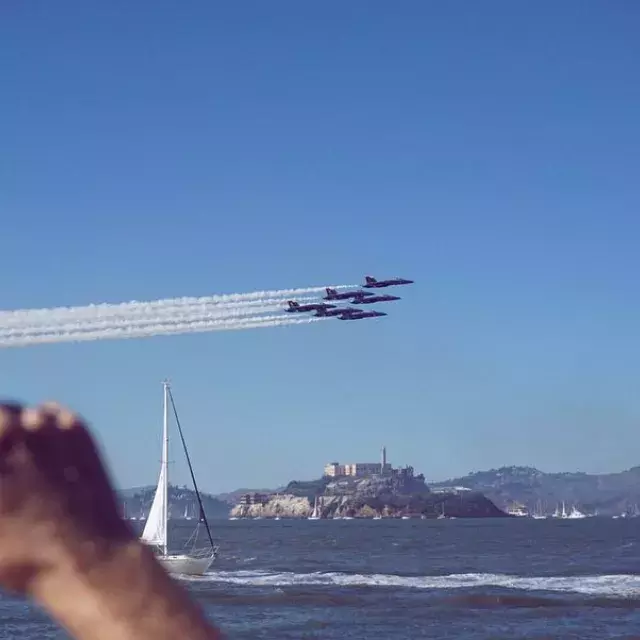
(372, 283)
(372, 299)
(296, 307)
(330, 313)
(361, 315)
(332, 294)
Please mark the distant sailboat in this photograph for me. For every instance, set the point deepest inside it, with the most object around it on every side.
(156, 529)
(538, 513)
(560, 514)
(315, 514)
(575, 514)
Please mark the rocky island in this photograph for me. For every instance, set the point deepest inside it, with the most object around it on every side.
(394, 494)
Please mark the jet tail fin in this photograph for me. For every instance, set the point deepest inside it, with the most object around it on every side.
(292, 304)
(370, 279)
(330, 291)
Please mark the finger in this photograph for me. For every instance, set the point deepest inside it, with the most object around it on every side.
(9, 427)
(45, 442)
(69, 437)
(9, 417)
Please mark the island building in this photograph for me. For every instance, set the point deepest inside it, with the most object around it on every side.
(361, 469)
(248, 499)
(456, 490)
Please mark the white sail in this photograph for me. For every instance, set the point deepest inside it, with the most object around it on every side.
(315, 514)
(155, 530)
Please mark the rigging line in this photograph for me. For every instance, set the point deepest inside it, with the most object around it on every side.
(203, 517)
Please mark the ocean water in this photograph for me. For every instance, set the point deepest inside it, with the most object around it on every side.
(393, 579)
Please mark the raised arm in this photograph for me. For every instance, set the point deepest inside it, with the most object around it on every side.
(63, 542)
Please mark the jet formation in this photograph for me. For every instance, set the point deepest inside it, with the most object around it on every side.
(358, 296)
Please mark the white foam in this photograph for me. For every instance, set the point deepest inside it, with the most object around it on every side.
(608, 585)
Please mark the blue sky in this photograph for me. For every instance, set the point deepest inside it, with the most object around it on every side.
(488, 150)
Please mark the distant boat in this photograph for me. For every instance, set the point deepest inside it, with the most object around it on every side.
(156, 530)
(538, 514)
(575, 514)
(315, 514)
(518, 510)
(560, 514)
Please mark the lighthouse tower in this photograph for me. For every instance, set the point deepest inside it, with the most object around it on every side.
(383, 461)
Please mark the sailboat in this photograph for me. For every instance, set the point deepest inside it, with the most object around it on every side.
(538, 513)
(575, 513)
(560, 514)
(315, 514)
(156, 529)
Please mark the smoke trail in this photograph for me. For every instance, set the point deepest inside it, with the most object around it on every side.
(124, 332)
(23, 319)
(136, 307)
(190, 314)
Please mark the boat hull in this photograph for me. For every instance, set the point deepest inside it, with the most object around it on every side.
(186, 565)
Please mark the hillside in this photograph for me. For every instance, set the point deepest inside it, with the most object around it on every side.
(137, 502)
(608, 494)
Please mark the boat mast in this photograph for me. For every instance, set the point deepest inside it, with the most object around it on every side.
(165, 465)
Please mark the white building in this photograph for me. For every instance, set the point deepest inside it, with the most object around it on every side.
(359, 469)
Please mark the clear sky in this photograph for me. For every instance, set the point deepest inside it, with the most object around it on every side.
(488, 150)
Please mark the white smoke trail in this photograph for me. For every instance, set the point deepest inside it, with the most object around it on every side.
(135, 307)
(124, 332)
(190, 314)
(20, 320)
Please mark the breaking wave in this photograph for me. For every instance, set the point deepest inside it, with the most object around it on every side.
(608, 585)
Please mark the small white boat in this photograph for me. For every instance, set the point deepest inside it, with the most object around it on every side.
(518, 510)
(575, 514)
(315, 514)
